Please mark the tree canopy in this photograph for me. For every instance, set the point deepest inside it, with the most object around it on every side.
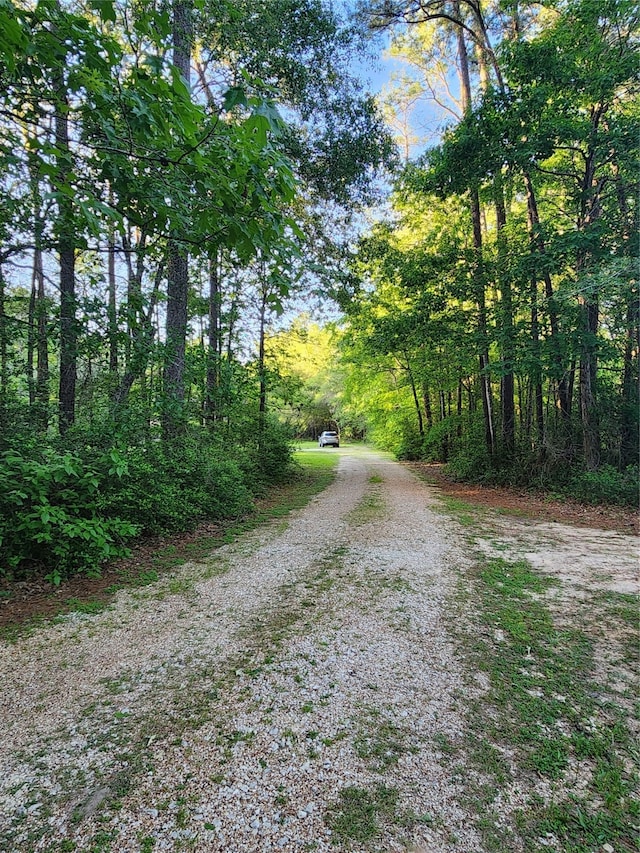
(503, 291)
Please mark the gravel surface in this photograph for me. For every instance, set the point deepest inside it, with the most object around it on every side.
(238, 704)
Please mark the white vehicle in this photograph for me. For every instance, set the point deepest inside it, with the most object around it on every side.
(328, 438)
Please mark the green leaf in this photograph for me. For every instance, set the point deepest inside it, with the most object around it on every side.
(233, 97)
(258, 126)
(105, 9)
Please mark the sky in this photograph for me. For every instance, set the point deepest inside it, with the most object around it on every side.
(382, 72)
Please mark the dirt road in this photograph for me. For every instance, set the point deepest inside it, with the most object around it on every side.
(298, 690)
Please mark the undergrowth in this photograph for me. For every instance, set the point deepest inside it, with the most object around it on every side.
(311, 473)
(69, 506)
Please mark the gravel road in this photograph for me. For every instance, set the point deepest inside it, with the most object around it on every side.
(289, 693)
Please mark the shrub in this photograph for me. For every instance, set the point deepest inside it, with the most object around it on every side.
(167, 490)
(441, 441)
(71, 510)
(272, 453)
(471, 461)
(410, 447)
(49, 516)
(606, 485)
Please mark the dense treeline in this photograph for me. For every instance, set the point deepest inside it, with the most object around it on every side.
(172, 177)
(493, 320)
(156, 210)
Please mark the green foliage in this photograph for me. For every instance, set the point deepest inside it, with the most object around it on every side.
(503, 286)
(410, 446)
(304, 382)
(471, 461)
(169, 489)
(106, 151)
(67, 509)
(273, 456)
(49, 516)
(607, 485)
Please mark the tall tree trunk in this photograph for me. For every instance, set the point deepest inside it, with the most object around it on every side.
(478, 271)
(536, 376)
(36, 275)
(4, 360)
(589, 314)
(31, 344)
(68, 336)
(485, 375)
(588, 371)
(176, 336)
(178, 261)
(213, 348)
(630, 368)
(571, 380)
(67, 256)
(414, 392)
(630, 384)
(38, 341)
(112, 308)
(508, 342)
(463, 62)
(444, 450)
(42, 345)
(262, 375)
(558, 371)
(426, 396)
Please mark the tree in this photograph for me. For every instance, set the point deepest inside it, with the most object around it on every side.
(177, 262)
(539, 156)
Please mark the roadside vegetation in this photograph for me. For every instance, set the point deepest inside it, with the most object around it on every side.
(69, 507)
(159, 213)
(491, 319)
(175, 180)
(158, 557)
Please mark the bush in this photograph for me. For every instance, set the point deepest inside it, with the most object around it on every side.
(471, 461)
(441, 441)
(274, 452)
(71, 510)
(410, 446)
(606, 485)
(169, 490)
(265, 453)
(49, 516)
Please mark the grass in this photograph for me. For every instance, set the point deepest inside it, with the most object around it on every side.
(622, 608)
(381, 743)
(357, 814)
(370, 508)
(544, 709)
(466, 513)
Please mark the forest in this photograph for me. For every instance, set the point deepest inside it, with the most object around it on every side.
(180, 179)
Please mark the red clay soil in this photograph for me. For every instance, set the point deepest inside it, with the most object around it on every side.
(25, 602)
(532, 504)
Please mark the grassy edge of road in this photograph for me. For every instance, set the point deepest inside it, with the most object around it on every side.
(314, 471)
(550, 759)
